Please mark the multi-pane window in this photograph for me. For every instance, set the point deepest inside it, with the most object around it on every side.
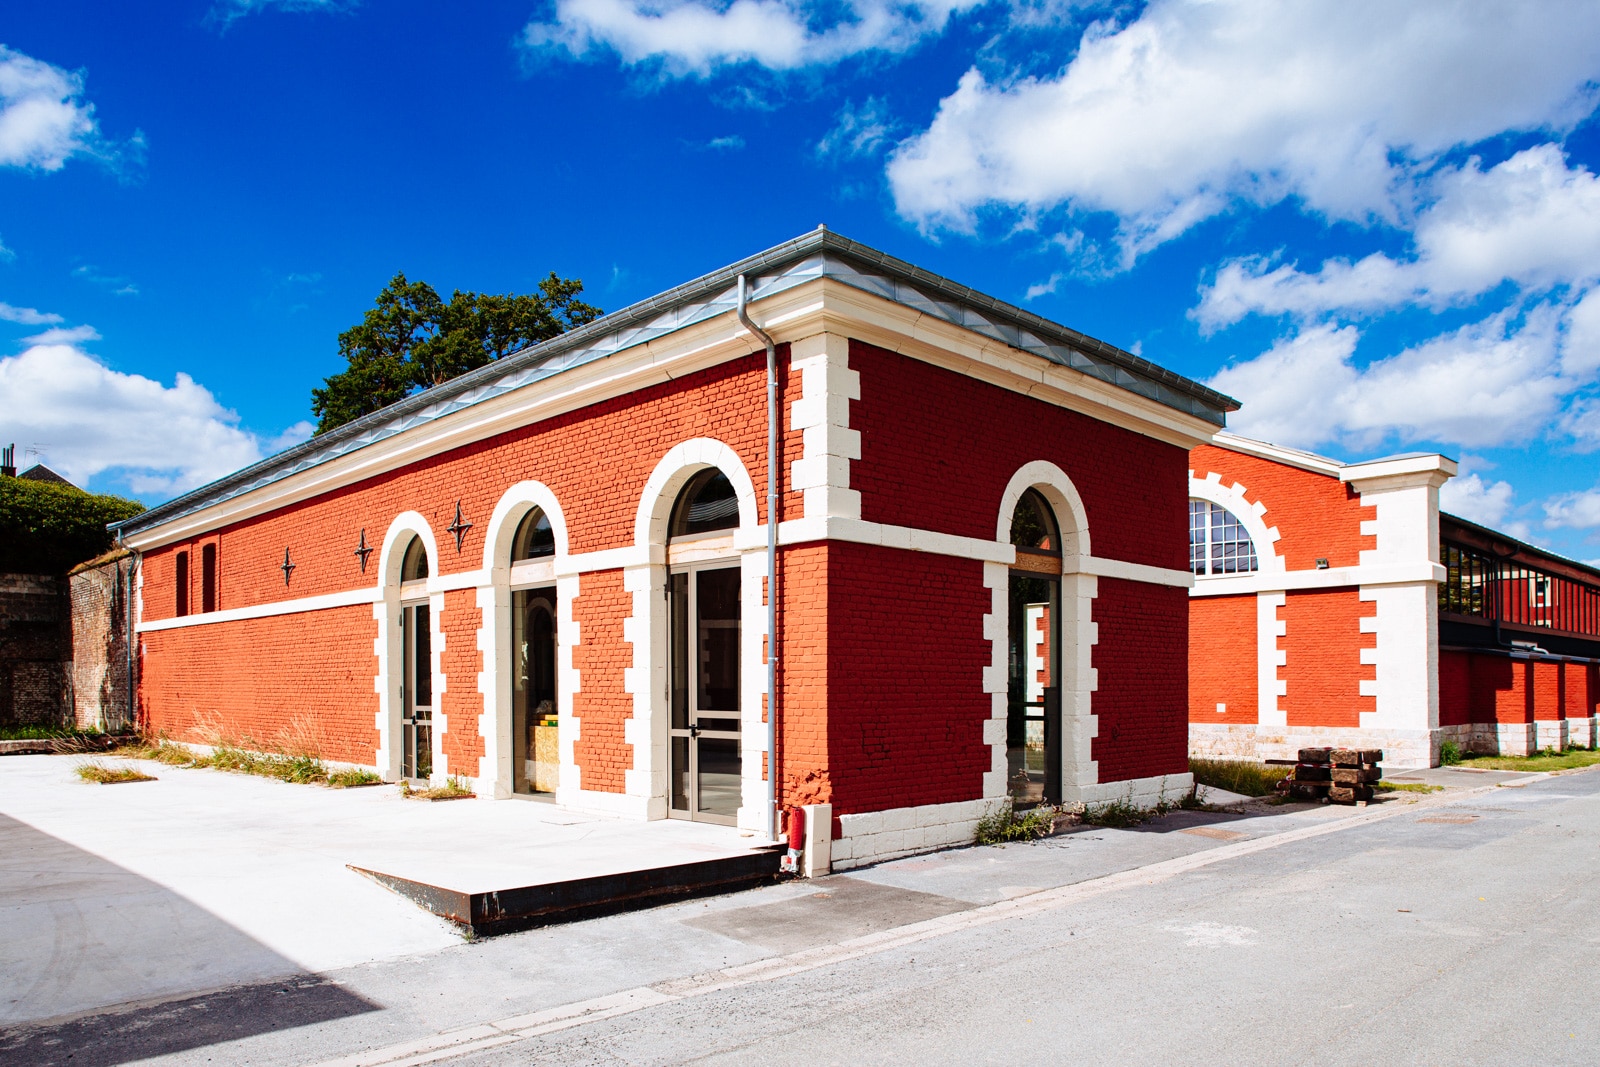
(1218, 541)
(1477, 583)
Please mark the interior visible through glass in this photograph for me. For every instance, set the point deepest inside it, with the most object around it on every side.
(536, 759)
(704, 629)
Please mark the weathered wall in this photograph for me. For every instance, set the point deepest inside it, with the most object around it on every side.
(35, 651)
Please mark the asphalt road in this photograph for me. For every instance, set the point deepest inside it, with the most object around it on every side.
(1456, 930)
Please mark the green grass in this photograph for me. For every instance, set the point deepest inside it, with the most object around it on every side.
(1007, 824)
(1548, 760)
(298, 769)
(100, 774)
(1409, 787)
(453, 787)
(43, 733)
(1245, 777)
(1449, 754)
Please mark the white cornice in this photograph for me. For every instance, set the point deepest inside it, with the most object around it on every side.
(820, 305)
(1365, 576)
(1293, 457)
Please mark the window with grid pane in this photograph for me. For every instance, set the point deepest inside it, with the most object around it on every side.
(1218, 541)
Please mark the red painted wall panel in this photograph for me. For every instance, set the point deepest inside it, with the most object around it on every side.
(1142, 662)
(1323, 672)
(1222, 660)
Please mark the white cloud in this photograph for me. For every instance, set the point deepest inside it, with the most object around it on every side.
(1531, 220)
(1494, 382)
(61, 335)
(1476, 500)
(163, 439)
(6, 254)
(1577, 510)
(1195, 105)
(224, 12)
(694, 38)
(1580, 348)
(28, 316)
(860, 130)
(44, 120)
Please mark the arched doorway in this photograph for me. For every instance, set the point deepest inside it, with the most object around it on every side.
(704, 650)
(1033, 647)
(416, 679)
(535, 734)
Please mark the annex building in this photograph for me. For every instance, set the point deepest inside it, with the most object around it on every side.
(959, 527)
(1335, 604)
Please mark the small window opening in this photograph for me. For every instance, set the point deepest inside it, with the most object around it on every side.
(1033, 525)
(208, 577)
(414, 566)
(706, 504)
(183, 583)
(1218, 541)
(534, 538)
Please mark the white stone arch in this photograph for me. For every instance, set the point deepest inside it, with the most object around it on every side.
(496, 771)
(391, 656)
(646, 731)
(1054, 485)
(513, 505)
(682, 462)
(1250, 513)
(1077, 632)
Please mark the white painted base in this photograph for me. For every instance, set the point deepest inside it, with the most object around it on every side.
(1140, 792)
(1550, 734)
(1402, 749)
(1583, 733)
(874, 836)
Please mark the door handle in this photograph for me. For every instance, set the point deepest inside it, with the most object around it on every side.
(694, 731)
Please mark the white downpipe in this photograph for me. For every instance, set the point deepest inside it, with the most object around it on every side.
(772, 562)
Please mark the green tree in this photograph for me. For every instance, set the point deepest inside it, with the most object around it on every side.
(47, 528)
(412, 340)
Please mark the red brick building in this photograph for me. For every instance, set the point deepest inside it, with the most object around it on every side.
(1335, 604)
(550, 575)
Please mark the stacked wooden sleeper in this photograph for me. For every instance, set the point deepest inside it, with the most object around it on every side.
(1340, 775)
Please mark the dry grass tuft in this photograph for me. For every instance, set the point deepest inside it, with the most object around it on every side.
(100, 774)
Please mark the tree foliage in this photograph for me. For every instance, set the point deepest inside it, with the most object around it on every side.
(47, 528)
(413, 339)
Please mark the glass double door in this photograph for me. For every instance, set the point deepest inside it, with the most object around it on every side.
(535, 724)
(706, 772)
(416, 692)
(1033, 719)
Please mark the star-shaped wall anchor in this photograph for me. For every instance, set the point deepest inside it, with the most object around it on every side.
(458, 527)
(363, 551)
(286, 567)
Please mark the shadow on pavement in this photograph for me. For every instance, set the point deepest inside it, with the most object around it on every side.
(85, 936)
(122, 1036)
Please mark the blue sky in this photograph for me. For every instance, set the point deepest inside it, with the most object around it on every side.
(1378, 225)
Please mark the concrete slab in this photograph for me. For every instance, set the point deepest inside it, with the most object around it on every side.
(1459, 777)
(202, 880)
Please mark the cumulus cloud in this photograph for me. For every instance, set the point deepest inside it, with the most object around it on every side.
(1532, 220)
(27, 316)
(64, 336)
(44, 119)
(684, 38)
(1476, 500)
(1577, 510)
(160, 438)
(1193, 106)
(1494, 382)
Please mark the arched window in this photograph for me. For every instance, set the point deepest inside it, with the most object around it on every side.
(707, 503)
(1033, 525)
(534, 539)
(1218, 541)
(414, 565)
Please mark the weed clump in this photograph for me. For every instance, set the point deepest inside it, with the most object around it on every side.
(453, 788)
(1006, 823)
(1449, 754)
(1245, 777)
(225, 755)
(100, 774)
(354, 776)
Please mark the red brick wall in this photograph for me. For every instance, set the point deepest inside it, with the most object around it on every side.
(461, 661)
(1222, 659)
(1317, 516)
(1547, 695)
(274, 682)
(1142, 664)
(601, 705)
(803, 677)
(1455, 688)
(937, 449)
(906, 653)
(1323, 641)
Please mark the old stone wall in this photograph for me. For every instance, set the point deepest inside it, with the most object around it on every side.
(35, 647)
(99, 593)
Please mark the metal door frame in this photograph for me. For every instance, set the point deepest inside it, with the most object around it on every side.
(694, 732)
(409, 721)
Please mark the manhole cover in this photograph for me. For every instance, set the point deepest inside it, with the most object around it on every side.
(1213, 832)
(1454, 820)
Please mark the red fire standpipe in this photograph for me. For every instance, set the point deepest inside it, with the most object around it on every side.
(797, 841)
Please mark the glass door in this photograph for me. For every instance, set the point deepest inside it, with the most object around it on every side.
(416, 692)
(705, 729)
(1033, 720)
(536, 752)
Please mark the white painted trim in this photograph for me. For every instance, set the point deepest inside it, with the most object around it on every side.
(509, 511)
(682, 462)
(1251, 515)
(1269, 658)
(569, 682)
(1289, 457)
(1332, 578)
(822, 415)
(1056, 487)
(1134, 572)
(343, 599)
(997, 579)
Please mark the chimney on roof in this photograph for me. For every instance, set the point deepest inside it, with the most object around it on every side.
(8, 465)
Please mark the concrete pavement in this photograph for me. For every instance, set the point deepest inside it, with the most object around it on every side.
(1221, 935)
